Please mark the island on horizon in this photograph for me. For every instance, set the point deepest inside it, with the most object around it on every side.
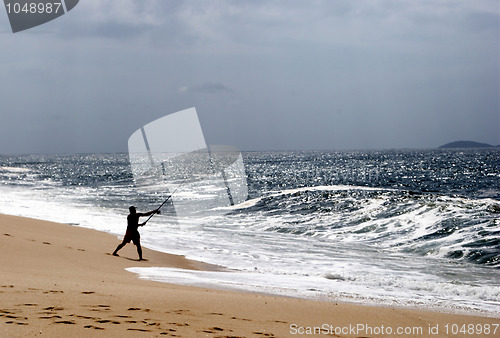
(466, 144)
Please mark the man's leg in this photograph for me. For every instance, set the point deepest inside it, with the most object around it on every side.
(139, 250)
(121, 245)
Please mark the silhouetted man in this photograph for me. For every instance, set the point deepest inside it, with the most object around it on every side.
(132, 233)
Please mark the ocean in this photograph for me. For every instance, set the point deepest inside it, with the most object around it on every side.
(417, 228)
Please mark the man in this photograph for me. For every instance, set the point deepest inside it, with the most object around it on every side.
(132, 233)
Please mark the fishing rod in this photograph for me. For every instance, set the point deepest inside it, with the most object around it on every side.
(165, 201)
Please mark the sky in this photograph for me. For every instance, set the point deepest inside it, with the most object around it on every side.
(263, 75)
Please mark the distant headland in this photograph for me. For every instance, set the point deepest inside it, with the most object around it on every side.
(466, 144)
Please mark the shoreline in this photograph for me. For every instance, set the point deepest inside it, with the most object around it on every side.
(344, 300)
(59, 279)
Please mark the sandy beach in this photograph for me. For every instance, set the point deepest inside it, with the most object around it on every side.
(59, 280)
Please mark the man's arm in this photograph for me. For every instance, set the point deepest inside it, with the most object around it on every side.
(156, 211)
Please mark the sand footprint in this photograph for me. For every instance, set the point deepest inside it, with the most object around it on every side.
(264, 334)
(54, 308)
(214, 329)
(13, 322)
(104, 321)
(137, 309)
(86, 317)
(179, 324)
(123, 316)
(93, 327)
(179, 312)
(51, 317)
(153, 324)
(141, 330)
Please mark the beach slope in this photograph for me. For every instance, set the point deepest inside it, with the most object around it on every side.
(58, 280)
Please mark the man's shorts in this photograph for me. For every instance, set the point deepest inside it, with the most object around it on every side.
(132, 236)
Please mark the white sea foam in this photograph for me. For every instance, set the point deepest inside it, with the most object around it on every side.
(40, 204)
(15, 170)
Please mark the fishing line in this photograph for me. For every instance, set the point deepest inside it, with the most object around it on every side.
(165, 201)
